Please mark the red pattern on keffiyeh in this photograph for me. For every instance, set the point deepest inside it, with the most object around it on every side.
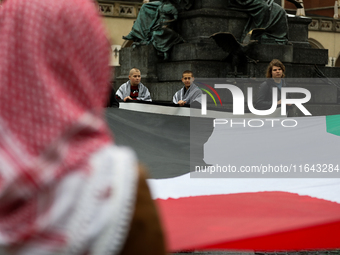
(53, 83)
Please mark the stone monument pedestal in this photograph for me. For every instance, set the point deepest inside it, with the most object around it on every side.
(201, 54)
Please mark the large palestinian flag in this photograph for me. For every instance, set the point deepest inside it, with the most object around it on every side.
(239, 212)
(249, 214)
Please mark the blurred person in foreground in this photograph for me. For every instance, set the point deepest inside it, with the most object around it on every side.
(64, 187)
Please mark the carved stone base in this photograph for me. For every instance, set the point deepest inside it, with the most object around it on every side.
(201, 54)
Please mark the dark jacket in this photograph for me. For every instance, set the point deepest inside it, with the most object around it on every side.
(112, 102)
(265, 95)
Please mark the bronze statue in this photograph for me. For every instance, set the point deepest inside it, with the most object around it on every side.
(264, 14)
(163, 36)
(154, 25)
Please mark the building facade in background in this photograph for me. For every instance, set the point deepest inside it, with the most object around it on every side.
(324, 30)
(118, 17)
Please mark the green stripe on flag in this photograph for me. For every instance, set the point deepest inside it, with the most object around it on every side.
(333, 124)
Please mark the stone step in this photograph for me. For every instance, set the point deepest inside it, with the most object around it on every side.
(209, 51)
(205, 61)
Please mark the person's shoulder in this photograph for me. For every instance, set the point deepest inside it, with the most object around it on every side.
(194, 86)
(143, 87)
(181, 89)
(124, 84)
(267, 83)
